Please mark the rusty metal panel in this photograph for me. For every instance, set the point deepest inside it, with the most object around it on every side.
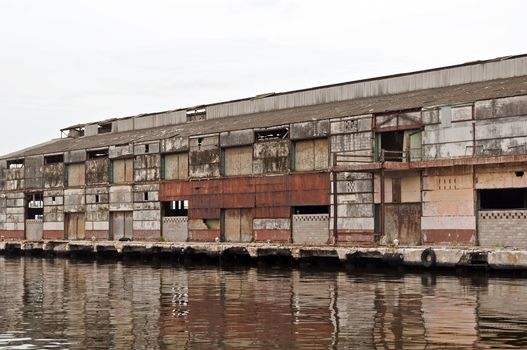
(272, 212)
(238, 160)
(246, 225)
(238, 200)
(76, 174)
(403, 221)
(396, 190)
(238, 185)
(204, 213)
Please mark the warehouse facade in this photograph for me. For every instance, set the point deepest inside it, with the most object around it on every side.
(430, 157)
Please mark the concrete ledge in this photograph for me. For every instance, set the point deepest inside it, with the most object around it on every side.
(443, 257)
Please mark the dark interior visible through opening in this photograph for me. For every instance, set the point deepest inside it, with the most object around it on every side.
(311, 209)
(175, 208)
(58, 158)
(506, 198)
(392, 143)
(15, 164)
(103, 153)
(104, 128)
(275, 134)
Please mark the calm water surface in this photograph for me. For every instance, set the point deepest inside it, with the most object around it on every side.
(58, 304)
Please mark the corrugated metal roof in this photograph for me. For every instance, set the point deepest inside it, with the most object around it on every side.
(417, 99)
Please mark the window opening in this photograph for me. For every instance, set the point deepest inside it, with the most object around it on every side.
(505, 198)
(311, 209)
(175, 208)
(15, 164)
(275, 134)
(104, 128)
(54, 159)
(97, 154)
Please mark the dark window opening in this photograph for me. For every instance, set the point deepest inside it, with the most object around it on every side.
(35, 206)
(55, 159)
(97, 198)
(519, 173)
(175, 208)
(311, 209)
(147, 148)
(104, 128)
(145, 196)
(98, 154)
(53, 200)
(392, 143)
(200, 142)
(196, 114)
(15, 164)
(506, 198)
(275, 134)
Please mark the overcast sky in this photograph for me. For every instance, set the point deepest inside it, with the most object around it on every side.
(68, 61)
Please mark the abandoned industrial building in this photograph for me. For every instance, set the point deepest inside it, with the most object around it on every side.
(435, 157)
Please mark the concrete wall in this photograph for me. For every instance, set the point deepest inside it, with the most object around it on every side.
(175, 229)
(311, 228)
(147, 212)
(53, 214)
(502, 228)
(97, 212)
(204, 157)
(448, 206)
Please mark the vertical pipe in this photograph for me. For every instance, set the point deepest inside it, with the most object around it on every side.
(335, 207)
(382, 194)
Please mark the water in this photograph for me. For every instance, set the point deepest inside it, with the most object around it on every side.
(59, 304)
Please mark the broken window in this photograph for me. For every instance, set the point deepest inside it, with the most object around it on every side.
(310, 155)
(503, 198)
(237, 161)
(311, 209)
(15, 164)
(274, 134)
(54, 159)
(35, 206)
(122, 171)
(175, 208)
(398, 146)
(174, 166)
(97, 154)
(196, 114)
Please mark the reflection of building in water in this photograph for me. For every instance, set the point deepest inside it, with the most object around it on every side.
(313, 298)
(355, 312)
(449, 312)
(398, 319)
(502, 313)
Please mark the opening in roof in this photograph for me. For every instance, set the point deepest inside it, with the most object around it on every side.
(54, 159)
(104, 128)
(196, 114)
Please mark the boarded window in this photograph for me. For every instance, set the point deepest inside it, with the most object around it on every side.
(311, 155)
(175, 166)
(237, 161)
(122, 171)
(75, 175)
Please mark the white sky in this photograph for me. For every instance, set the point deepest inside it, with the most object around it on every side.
(68, 61)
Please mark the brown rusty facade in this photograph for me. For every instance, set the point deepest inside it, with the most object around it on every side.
(413, 159)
